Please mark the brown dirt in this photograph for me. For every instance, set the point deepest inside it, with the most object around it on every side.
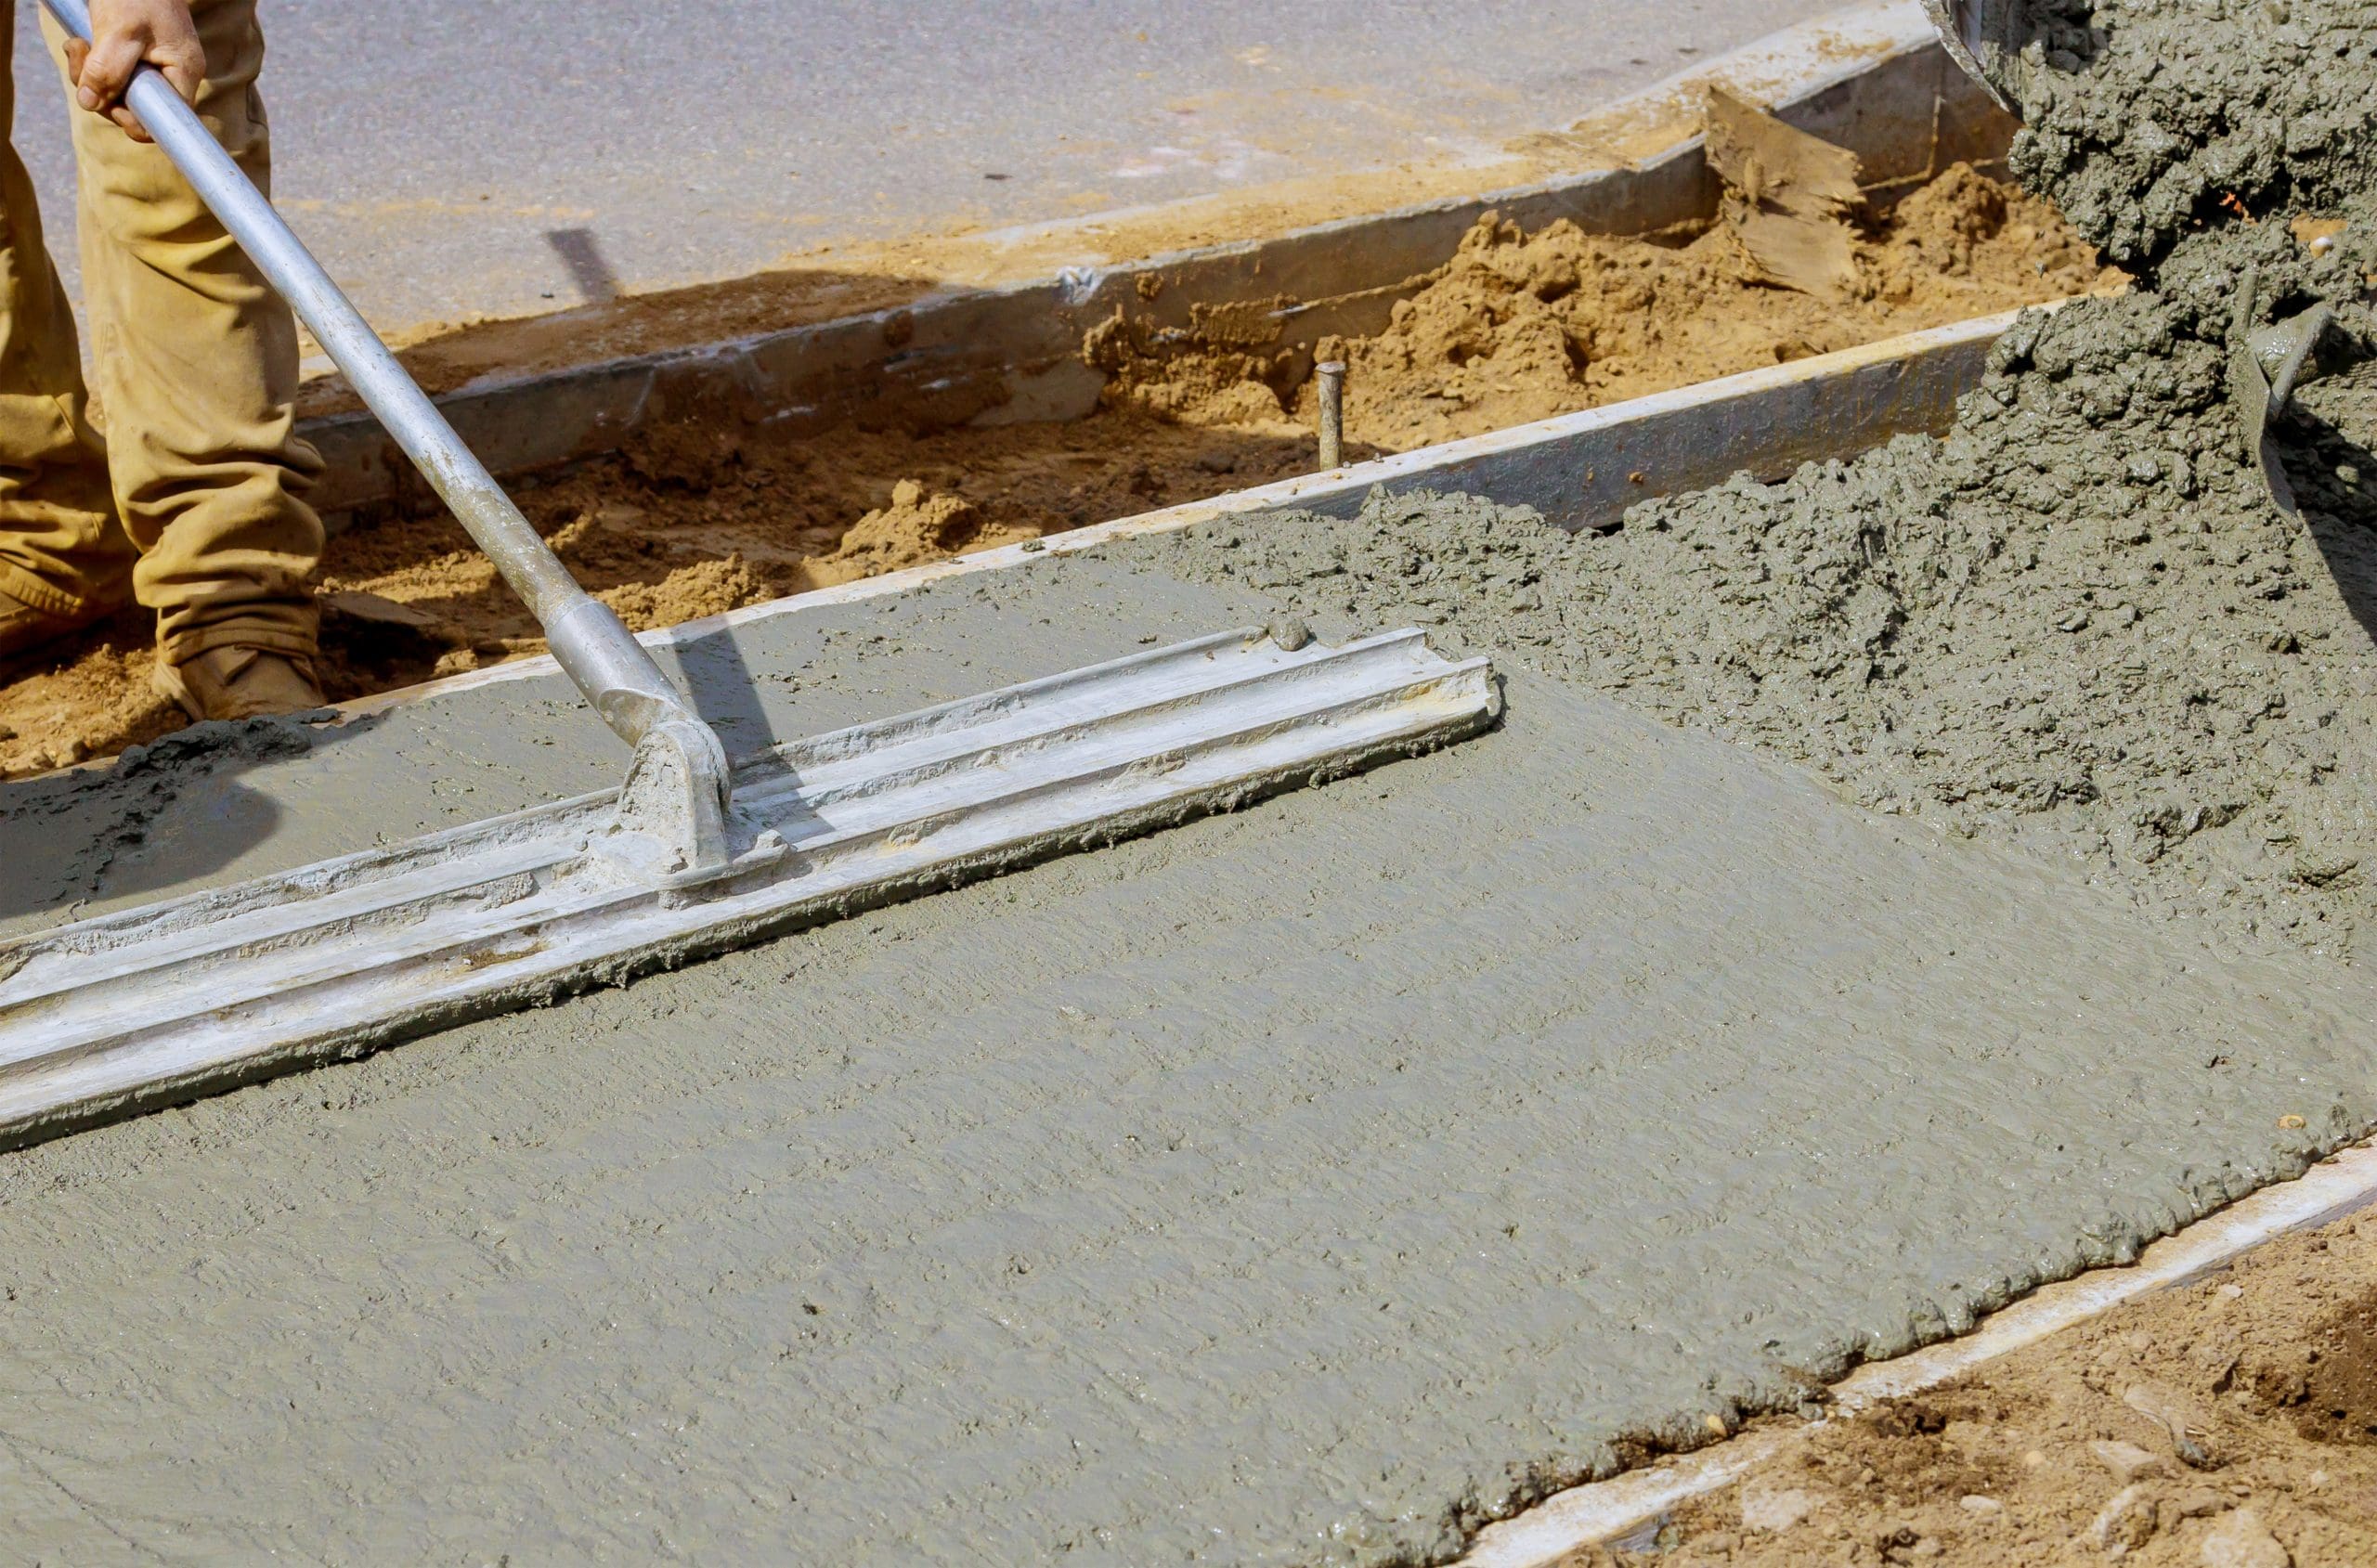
(2231, 1423)
(694, 520)
(1516, 328)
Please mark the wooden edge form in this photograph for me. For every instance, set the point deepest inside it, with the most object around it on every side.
(2341, 1184)
(1580, 471)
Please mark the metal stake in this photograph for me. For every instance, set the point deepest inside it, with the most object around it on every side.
(1331, 375)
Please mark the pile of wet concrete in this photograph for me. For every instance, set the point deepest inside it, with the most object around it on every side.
(2079, 623)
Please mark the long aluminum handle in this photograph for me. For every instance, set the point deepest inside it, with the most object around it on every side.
(588, 640)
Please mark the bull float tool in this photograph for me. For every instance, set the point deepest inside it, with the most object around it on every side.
(691, 855)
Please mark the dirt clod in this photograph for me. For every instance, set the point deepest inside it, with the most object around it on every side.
(2333, 1389)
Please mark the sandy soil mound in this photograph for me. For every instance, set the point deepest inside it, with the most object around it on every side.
(2233, 1422)
(696, 520)
(1519, 326)
(914, 529)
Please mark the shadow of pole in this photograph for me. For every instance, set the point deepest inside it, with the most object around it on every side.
(726, 694)
(582, 254)
(2333, 473)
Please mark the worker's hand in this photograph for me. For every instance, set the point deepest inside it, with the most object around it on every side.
(125, 35)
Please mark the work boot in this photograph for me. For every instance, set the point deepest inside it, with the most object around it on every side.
(240, 684)
(25, 630)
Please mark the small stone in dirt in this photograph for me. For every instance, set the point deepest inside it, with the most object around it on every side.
(2127, 1462)
(1987, 1508)
(2180, 1417)
(2124, 1524)
(2242, 1540)
(1774, 1509)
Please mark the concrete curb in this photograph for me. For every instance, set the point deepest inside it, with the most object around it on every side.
(1871, 79)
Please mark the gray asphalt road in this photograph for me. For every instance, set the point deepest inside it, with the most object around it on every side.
(471, 157)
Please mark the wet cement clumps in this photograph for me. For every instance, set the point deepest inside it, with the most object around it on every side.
(2109, 652)
(2079, 623)
(2147, 122)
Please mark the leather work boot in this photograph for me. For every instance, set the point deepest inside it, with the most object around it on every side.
(242, 683)
(25, 630)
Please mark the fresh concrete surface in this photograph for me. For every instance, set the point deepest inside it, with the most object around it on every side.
(1288, 1187)
(469, 158)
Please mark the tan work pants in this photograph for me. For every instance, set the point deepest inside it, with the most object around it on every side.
(196, 492)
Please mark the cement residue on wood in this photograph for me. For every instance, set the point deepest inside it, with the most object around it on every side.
(1307, 1184)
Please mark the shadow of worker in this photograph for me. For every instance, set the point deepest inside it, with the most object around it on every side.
(172, 813)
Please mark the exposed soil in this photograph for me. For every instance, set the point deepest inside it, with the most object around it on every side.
(2231, 1423)
(692, 522)
(1516, 328)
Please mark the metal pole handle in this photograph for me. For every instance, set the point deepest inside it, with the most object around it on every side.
(589, 642)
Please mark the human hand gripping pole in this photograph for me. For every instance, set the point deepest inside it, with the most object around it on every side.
(677, 784)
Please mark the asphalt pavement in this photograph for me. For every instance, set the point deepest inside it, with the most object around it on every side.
(474, 157)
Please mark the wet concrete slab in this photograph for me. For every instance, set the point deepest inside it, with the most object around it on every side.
(1301, 1185)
